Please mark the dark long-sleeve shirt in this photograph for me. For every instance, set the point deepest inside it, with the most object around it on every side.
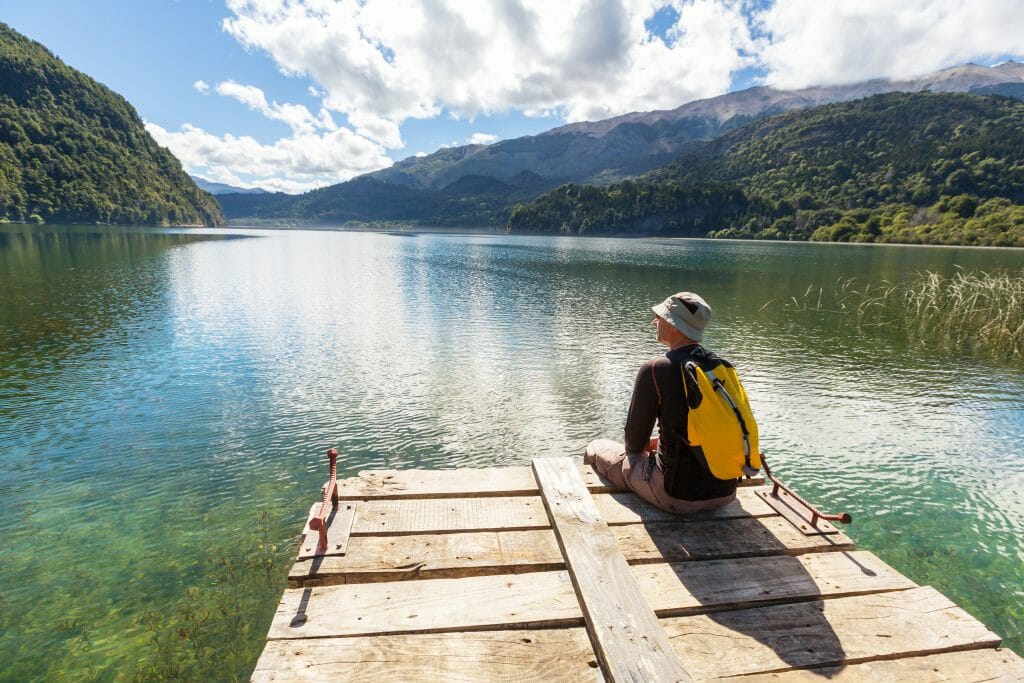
(658, 396)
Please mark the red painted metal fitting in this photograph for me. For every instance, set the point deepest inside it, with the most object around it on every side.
(319, 521)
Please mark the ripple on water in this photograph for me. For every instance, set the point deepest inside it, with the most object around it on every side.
(180, 396)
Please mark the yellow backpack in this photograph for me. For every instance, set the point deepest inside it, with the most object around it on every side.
(720, 427)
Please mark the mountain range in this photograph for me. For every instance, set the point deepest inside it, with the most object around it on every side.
(478, 184)
(937, 168)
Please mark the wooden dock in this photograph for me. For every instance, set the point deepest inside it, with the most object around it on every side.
(548, 573)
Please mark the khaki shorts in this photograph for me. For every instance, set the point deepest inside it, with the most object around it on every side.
(639, 473)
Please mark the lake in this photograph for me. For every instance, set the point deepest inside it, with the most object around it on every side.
(167, 396)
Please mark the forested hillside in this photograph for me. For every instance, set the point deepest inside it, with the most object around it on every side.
(470, 201)
(71, 150)
(919, 168)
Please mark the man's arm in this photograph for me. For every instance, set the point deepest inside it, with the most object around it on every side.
(643, 411)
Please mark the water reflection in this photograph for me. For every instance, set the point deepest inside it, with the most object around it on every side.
(180, 389)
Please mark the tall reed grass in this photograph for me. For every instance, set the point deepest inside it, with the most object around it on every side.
(980, 312)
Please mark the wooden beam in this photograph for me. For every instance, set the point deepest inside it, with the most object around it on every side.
(970, 666)
(919, 621)
(480, 482)
(535, 600)
(721, 539)
(433, 556)
(448, 555)
(499, 513)
(671, 589)
(713, 585)
(380, 517)
(539, 655)
(629, 508)
(625, 633)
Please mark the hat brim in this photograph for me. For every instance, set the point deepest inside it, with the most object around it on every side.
(661, 310)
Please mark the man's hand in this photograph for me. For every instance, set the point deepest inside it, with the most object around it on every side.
(652, 445)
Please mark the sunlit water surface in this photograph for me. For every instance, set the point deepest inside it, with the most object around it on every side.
(166, 398)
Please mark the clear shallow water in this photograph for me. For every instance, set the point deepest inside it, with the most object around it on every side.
(166, 398)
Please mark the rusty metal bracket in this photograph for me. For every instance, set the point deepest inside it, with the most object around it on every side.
(803, 515)
(330, 525)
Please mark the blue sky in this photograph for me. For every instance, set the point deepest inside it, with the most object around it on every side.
(296, 94)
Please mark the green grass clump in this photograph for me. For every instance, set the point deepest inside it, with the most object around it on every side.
(982, 311)
(979, 312)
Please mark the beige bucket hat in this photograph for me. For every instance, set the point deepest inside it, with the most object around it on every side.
(687, 312)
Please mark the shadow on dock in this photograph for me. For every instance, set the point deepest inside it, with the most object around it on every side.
(758, 591)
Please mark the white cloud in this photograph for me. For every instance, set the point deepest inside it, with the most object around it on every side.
(375, 64)
(222, 174)
(325, 120)
(295, 116)
(391, 60)
(249, 95)
(299, 163)
(377, 128)
(812, 42)
(319, 151)
(482, 139)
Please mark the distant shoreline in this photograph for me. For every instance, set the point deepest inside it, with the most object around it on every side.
(458, 230)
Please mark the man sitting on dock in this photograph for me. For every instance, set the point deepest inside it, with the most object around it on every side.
(662, 470)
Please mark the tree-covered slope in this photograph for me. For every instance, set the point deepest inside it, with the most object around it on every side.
(934, 168)
(71, 150)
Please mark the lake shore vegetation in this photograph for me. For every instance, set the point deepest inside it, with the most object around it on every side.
(976, 312)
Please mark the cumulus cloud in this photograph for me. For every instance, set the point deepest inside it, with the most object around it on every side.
(301, 162)
(319, 151)
(294, 115)
(815, 42)
(482, 139)
(375, 64)
(385, 61)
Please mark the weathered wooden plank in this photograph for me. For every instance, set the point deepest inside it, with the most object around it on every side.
(907, 623)
(423, 515)
(670, 589)
(624, 631)
(720, 540)
(450, 514)
(433, 556)
(628, 508)
(482, 482)
(692, 587)
(540, 599)
(386, 558)
(970, 666)
(542, 655)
